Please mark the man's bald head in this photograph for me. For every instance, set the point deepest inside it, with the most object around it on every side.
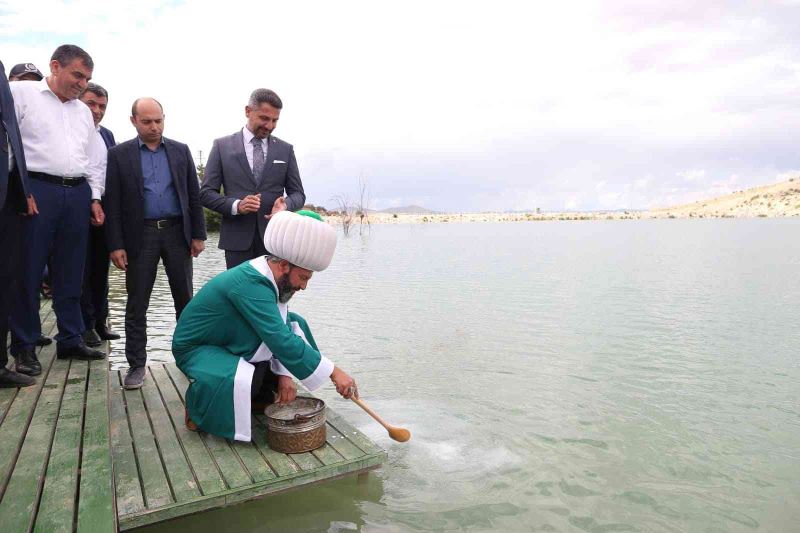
(147, 116)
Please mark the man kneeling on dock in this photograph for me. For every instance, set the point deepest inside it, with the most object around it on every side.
(238, 343)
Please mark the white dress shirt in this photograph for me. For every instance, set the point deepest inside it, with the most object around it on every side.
(59, 138)
(247, 138)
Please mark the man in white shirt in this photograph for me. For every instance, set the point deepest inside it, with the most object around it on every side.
(66, 164)
(246, 176)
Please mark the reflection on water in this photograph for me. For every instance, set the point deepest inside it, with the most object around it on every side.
(586, 376)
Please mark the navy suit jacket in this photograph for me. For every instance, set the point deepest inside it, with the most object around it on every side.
(14, 185)
(124, 201)
(108, 137)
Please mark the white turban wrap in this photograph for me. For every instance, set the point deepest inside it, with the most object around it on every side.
(302, 240)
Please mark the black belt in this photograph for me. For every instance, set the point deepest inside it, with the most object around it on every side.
(57, 180)
(162, 223)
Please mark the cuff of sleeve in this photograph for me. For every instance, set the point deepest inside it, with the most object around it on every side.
(96, 193)
(318, 377)
(235, 207)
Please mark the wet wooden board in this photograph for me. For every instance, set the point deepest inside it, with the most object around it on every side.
(55, 461)
(204, 472)
(79, 453)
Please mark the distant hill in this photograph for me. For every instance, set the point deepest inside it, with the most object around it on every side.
(777, 200)
(408, 210)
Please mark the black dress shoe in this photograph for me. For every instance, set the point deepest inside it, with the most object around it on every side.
(105, 333)
(79, 351)
(25, 362)
(44, 340)
(90, 338)
(9, 378)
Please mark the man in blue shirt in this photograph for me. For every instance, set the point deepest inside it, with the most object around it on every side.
(153, 213)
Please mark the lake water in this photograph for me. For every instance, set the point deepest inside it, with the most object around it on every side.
(556, 376)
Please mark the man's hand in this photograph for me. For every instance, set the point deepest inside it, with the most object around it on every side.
(197, 247)
(120, 259)
(98, 216)
(249, 204)
(345, 385)
(277, 207)
(32, 209)
(287, 390)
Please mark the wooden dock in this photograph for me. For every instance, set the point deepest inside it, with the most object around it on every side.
(79, 453)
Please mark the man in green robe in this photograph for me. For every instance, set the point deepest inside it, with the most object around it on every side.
(236, 340)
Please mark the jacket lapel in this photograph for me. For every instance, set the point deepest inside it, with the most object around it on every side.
(238, 154)
(136, 165)
(178, 178)
(270, 159)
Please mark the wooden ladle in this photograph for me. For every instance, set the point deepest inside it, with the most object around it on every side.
(398, 434)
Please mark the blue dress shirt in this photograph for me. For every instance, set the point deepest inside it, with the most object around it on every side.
(160, 197)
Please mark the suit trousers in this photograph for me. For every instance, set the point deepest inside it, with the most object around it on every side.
(235, 258)
(94, 299)
(11, 224)
(59, 231)
(168, 245)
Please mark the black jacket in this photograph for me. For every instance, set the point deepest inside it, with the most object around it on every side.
(14, 185)
(124, 199)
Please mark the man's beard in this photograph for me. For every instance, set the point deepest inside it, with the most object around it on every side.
(285, 288)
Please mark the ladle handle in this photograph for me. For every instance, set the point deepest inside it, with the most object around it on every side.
(370, 412)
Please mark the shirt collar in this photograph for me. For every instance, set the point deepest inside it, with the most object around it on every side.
(141, 142)
(248, 136)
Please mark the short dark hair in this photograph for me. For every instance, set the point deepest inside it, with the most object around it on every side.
(133, 107)
(264, 96)
(67, 53)
(96, 89)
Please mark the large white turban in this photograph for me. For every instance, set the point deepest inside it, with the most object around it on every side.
(302, 239)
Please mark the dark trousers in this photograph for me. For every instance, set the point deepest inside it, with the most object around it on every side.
(94, 299)
(264, 384)
(237, 257)
(11, 224)
(61, 229)
(168, 245)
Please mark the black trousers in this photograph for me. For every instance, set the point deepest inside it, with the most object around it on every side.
(169, 246)
(94, 298)
(11, 228)
(235, 258)
(264, 384)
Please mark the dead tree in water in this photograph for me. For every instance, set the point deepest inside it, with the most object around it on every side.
(362, 206)
(345, 212)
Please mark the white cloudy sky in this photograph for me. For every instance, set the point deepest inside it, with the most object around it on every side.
(461, 105)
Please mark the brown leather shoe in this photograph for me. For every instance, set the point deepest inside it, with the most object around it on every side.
(191, 426)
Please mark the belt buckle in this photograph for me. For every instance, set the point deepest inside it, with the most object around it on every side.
(158, 223)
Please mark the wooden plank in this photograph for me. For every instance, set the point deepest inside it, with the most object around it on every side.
(6, 398)
(180, 475)
(255, 463)
(228, 462)
(21, 497)
(234, 496)
(305, 461)
(57, 504)
(281, 463)
(326, 454)
(126, 475)
(18, 416)
(351, 433)
(200, 460)
(155, 486)
(342, 444)
(96, 509)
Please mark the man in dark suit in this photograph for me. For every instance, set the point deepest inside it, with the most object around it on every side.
(153, 212)
(253, 169)
(14, 201)
(94, 297)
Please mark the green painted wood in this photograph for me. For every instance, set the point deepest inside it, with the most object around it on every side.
(6, 398)
(57, 503)
(126, 474)
(280, 462)
(96, 508)
(180, 475)
(352, 434)
(18, 416)
(234, 496)
(342, 444)
(202, 463)
(230, 466)
(21, 497)
(155, 486)
(305, 461)
(327, 455)
(255, 463)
